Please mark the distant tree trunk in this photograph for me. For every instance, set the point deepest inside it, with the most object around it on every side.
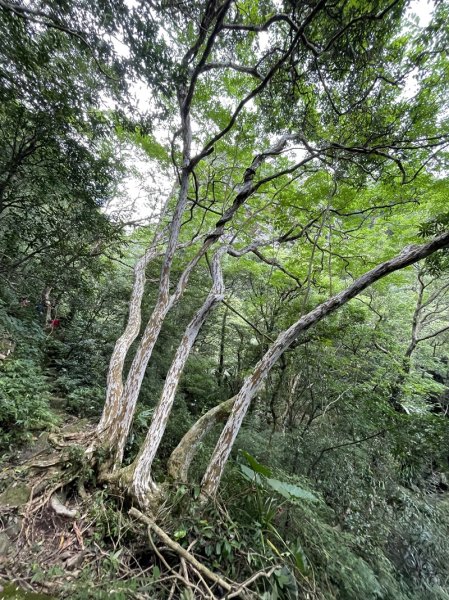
(287, 416)
(408, 256)
(418, 322)
(221, 354)
(236, 381)
(46, 301)
(276, 396)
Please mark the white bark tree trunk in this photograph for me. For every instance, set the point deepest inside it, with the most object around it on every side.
(182, 456)
(408, 256)
(142, 484)
(119, 420)
(107, 427)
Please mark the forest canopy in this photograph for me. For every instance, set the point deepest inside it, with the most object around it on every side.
(224, 299)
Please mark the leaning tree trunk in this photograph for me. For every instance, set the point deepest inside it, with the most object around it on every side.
(121, 418)
(408, 256)
(182, 456)
(114, 385)
(142, 482)
(118, 416)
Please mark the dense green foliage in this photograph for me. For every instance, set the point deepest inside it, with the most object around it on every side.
(339, 476)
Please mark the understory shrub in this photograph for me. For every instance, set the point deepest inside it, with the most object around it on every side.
(24, 401)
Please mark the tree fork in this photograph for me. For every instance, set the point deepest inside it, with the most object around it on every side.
(119, 420)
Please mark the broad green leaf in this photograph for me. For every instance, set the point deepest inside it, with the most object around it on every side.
(290, 491)
(249, 474)
(255, 465)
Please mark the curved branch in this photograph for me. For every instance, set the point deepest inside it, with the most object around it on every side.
(182, 456)
(252, 384)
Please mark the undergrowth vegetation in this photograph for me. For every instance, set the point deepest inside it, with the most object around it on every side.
(351, 504)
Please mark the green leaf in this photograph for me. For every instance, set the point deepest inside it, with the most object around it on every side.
(300, 559)
(255, 465)
(180, 534)
(250, 475)
(287, 582)
(290, 491)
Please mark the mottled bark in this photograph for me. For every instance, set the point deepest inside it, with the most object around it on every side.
(221, 355)
(182, 456)
(120, 420)
(114, 387)
(143, 484)
(251, 385)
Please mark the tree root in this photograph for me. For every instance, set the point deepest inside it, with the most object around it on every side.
(66, 439)
(45, 464)
(62, 510)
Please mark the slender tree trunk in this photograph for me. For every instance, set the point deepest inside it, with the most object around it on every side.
(275, 396)
(408, 256)
(107, 433)
(46, 301)
(397, 388)
(416, 323)
(221, 356)
(287, 416)
(142, 483)
(182, 456)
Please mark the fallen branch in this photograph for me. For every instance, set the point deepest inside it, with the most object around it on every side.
(251, 580)
(182, 552)
(178, 576)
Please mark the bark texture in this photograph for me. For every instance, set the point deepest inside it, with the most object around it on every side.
(108, 427)
(182, 456)
(251, 385)
(142, 484)
(118, 416)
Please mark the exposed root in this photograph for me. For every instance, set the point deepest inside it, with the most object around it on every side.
(64, 439)
(57, 526)
(36, 504)
(201, 573)
(62, 510)
(46, 464)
